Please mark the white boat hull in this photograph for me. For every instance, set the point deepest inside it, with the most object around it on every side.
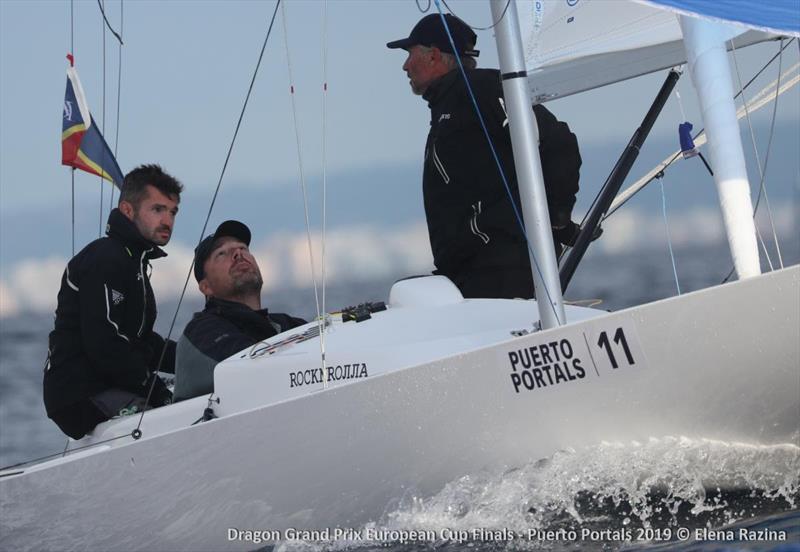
(722, 363)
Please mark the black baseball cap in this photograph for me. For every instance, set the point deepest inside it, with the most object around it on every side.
(430, 31)
(229, 228)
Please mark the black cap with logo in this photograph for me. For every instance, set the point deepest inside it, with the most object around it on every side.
(431, 32)
(229, 228)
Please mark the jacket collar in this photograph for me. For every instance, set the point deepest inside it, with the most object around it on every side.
(123, 229)
(438, 88)
(214, 304)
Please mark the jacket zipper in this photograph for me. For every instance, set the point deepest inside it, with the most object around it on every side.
(439, 166)
(473, 223)
(144, 291)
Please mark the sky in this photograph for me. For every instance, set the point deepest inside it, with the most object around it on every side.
(185, 69)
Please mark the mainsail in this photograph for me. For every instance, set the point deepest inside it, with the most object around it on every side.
(579, 45)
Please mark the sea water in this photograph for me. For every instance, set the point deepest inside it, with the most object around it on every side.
(663, 493)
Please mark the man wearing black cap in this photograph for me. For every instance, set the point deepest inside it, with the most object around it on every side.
(475, 237)
(229, 277)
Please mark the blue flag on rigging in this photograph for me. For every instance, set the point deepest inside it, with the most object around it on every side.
(82, 145)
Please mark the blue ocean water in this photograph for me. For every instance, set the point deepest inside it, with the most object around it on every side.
(608, 496)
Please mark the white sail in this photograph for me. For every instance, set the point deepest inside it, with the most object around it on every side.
(579, 45)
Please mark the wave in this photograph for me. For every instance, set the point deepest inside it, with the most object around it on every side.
(609, 495)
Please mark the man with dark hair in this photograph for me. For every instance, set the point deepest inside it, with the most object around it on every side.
(232, 320)
(137, 182)
(476, 239)
(103, 353)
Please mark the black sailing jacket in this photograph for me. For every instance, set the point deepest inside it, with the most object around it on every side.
(221, 329)
(103, 336)
(471, 223)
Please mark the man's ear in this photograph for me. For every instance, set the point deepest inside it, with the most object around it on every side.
(205, 288)
(126, 208)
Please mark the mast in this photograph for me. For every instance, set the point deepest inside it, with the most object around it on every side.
(708, 63)
(525, 145)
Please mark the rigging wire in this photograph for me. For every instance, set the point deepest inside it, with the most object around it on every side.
(762, 186)
(119, 94)
(64, 452)
(72, 53)
(300, 160)
(755, 151)
(757, 102)
(323, 319)
(534, 261)
(72, 175)
(103, 120)
(762, 190)
(630, 192)
(666, 227)
(210, 208)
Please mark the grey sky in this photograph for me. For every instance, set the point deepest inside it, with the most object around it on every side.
(185, 70)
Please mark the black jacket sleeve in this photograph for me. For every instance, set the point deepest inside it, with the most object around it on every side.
(156, 344)
(216, 337)
(561, 163)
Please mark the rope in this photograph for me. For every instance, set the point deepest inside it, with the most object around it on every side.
(680, 105)
(210, 209)
(666, 227)
(105, 19)
(322, 322)
(496, 159)
(119, 94)
(300, 160)
(492, 26)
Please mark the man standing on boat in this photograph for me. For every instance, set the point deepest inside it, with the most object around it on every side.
(476, 239)
(103, 352)
(232, 320)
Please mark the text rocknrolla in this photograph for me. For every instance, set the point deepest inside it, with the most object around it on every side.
(334, 373)
(544, 364)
